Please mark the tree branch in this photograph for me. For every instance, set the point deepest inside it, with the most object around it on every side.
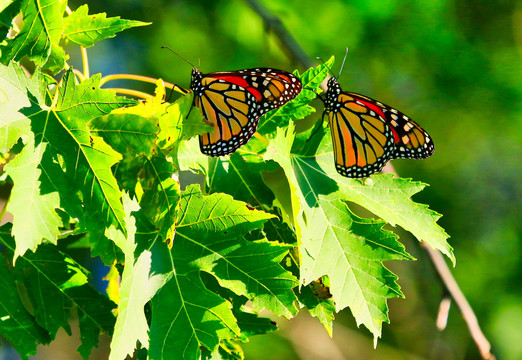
(457, 295)
(296, 52)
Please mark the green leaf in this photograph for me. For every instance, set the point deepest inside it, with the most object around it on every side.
(41, 31)
(390, 199)
(191, 159)
(209, 237)
(47, 275)
(160, 200)
(16, 324)
(240, 179)
(8, 10)
(34, 212)
(252, 324)
(87, 158)
(131, 131)
(322, 309)
(137, 288)
(17, 92)
(335, 242)
(175, 125)
(54, 283)
(197, 317)
(385, 196)
(83, 29)
(95, 315)
(298, 108)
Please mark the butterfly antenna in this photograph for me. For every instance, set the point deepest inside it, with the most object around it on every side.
(342, 65)
(329, 69)
(182, 57)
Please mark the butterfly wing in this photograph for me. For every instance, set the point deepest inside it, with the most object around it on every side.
(234, 101)
(363, 142)
(411, 141)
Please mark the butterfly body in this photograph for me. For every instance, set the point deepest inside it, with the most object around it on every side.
(232, 102)
(366, 133)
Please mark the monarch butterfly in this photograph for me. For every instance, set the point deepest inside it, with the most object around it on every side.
(366, 133)
(234, 101)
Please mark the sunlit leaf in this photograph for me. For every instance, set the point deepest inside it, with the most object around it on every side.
(35, 217)
(83, 29)
(209, 237)
(335, 242)
(137, 288)
(42, 30)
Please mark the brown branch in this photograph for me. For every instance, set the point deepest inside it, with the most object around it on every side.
(288, 43)
(457, 295)
(295, 51)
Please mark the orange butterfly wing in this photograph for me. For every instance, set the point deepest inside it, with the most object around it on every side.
(366, 134)
(234, 101)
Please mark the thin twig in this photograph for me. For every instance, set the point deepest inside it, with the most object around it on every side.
(295, 51)
(458, 296)
(288, 43)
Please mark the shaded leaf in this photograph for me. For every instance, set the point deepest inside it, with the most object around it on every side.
(240, 179)
(55, 282)
(16, 324)
(160, 200)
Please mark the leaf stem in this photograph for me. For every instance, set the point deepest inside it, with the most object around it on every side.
(85, 61)
(79, 74)
(142, 78)
(295, 51)
(131, 92)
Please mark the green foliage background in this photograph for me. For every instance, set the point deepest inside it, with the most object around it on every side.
(453, 66)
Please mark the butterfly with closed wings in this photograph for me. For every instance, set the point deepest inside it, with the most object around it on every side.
(234, 101)
(366, 133)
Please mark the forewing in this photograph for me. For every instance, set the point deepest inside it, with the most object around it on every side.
(363, 142)
(233, 102)
(411, 141)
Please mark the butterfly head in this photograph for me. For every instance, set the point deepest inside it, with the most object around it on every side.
(333, 86)
(334, 89)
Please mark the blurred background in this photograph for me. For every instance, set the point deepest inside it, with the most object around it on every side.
(454, 67)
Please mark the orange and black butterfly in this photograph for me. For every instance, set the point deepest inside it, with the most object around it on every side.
(234, 101)
(366, 133)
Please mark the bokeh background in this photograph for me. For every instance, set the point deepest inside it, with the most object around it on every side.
(454, 66)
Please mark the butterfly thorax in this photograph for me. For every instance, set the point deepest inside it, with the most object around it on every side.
(334, 89)
(195, 82)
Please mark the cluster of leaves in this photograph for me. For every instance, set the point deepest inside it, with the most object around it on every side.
(89, 168)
